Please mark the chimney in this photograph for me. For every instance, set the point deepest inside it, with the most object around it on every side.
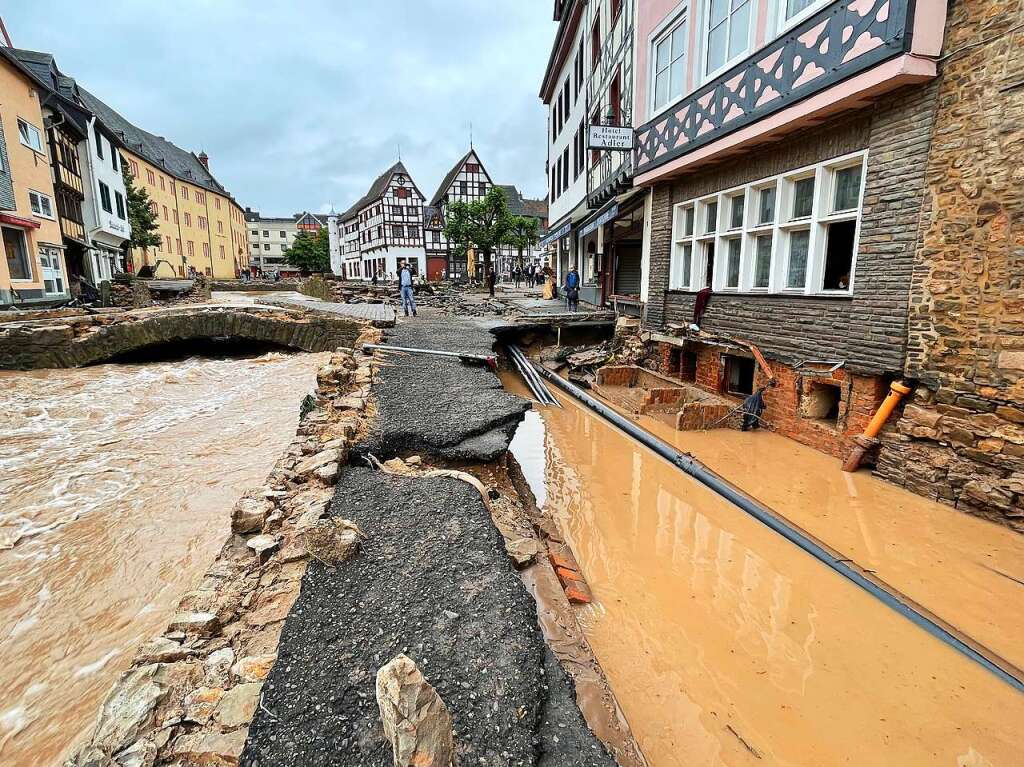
(205, 160)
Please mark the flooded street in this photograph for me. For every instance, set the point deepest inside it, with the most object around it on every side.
(116, 484)
(726, 645)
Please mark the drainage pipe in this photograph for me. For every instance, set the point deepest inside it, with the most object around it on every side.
(881, 591)
(863, 443)
(534, 381)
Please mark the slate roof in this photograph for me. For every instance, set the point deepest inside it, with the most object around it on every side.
(446, 182)
(254, 217)
(521, 206)
(155, 149)
(61, 91)
(376, 190)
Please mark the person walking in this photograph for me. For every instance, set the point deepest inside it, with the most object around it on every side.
(491, 279)
(572, 290)
(405, 286)
(516, 275)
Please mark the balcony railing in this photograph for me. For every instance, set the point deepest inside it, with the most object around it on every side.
(610, 175)
(841, 40)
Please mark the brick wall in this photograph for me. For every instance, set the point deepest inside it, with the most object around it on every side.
(868, 331)
(784, 414)
(961, 437)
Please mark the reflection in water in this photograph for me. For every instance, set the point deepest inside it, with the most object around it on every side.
(115, 487)
(726, 645)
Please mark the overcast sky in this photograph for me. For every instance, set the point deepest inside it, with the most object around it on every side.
(301, 104)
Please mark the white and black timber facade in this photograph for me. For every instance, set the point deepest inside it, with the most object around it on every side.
(381, 229)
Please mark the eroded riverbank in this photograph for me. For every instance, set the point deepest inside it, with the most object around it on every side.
(117, 483)
(726, 645)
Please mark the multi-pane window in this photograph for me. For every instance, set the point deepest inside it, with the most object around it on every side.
(30, 135)
(41, 204)
(105, 199)
(796, 232)
(670, 65)
(728, 32)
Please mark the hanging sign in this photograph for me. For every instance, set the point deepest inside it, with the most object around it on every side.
(610, 137)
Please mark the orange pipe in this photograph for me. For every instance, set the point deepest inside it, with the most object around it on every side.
(897, 391)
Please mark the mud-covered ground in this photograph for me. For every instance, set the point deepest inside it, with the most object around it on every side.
(432, 581)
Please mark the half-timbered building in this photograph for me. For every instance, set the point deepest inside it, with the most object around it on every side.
(385, 227)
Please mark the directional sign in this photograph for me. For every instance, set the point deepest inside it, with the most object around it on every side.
(609, 137)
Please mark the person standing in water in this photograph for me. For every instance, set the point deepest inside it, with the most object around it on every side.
(405, 286)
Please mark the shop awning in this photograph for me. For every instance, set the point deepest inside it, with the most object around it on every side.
(18, 221)
(555, 234)
(602, 216)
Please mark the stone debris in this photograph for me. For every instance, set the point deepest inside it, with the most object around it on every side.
(191, 693)
(416, 721)
(333, 540)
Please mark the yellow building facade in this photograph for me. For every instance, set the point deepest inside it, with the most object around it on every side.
(33, 266)
(199, 227)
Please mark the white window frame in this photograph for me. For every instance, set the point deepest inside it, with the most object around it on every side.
(34, 132)
(664, 31)
(39, 197)
(780, 229)
(783, 25)
(705, 39)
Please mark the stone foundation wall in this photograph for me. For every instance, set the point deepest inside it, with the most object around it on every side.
(960, 438)
(191, 693)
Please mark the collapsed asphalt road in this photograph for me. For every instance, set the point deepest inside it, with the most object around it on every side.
(432, 581)
(438, 405)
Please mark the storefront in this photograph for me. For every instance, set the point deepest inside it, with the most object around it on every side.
(610, 244)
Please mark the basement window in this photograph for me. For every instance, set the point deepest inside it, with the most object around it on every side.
(820, 402)
(739, 375)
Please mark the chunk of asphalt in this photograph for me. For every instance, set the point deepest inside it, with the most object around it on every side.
(439, 405)
(432, 581)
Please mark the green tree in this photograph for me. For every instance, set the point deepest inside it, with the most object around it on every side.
(522, 235)
(141, 217)
(484, 224)
(310, 252)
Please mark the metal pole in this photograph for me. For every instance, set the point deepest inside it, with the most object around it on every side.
(881, 591)
(488, 359)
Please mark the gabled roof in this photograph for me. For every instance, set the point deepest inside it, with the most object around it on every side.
(449, 178)
(59, 92)
(154, 149)
(521, 206)
(377, 189)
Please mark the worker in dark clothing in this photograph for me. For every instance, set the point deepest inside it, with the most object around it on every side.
(572, 290)
(491, 279)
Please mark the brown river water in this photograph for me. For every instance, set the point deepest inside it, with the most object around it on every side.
(116, 484)
(727, 645)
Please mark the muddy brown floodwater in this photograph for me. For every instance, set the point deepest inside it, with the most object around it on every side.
(116, 484)
(727, 645)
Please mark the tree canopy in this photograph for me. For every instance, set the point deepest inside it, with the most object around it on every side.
(522, 234)
(145, 229)
(310, 253)
(484, 224)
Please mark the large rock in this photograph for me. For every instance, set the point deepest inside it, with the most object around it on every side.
(333, 540)
(238, 705)
(416, 721)
(249, 515)
(208, 748)
(128, 710)
(201, 623)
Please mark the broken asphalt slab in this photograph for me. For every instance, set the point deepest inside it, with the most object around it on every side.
(432, 581)
(439, 405)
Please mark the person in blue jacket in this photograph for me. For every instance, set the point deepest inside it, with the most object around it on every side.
(572, 290)
(405, 286)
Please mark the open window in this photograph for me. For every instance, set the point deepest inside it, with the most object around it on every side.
(820, 402)
(738, 375)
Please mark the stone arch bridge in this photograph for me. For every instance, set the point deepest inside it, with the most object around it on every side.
(86, 339)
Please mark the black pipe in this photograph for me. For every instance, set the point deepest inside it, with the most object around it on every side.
(766, 516)
(525, 374)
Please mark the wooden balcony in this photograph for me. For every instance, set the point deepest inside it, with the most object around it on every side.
(844, 39)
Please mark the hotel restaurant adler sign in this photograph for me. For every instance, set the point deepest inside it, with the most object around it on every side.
(610, 137)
